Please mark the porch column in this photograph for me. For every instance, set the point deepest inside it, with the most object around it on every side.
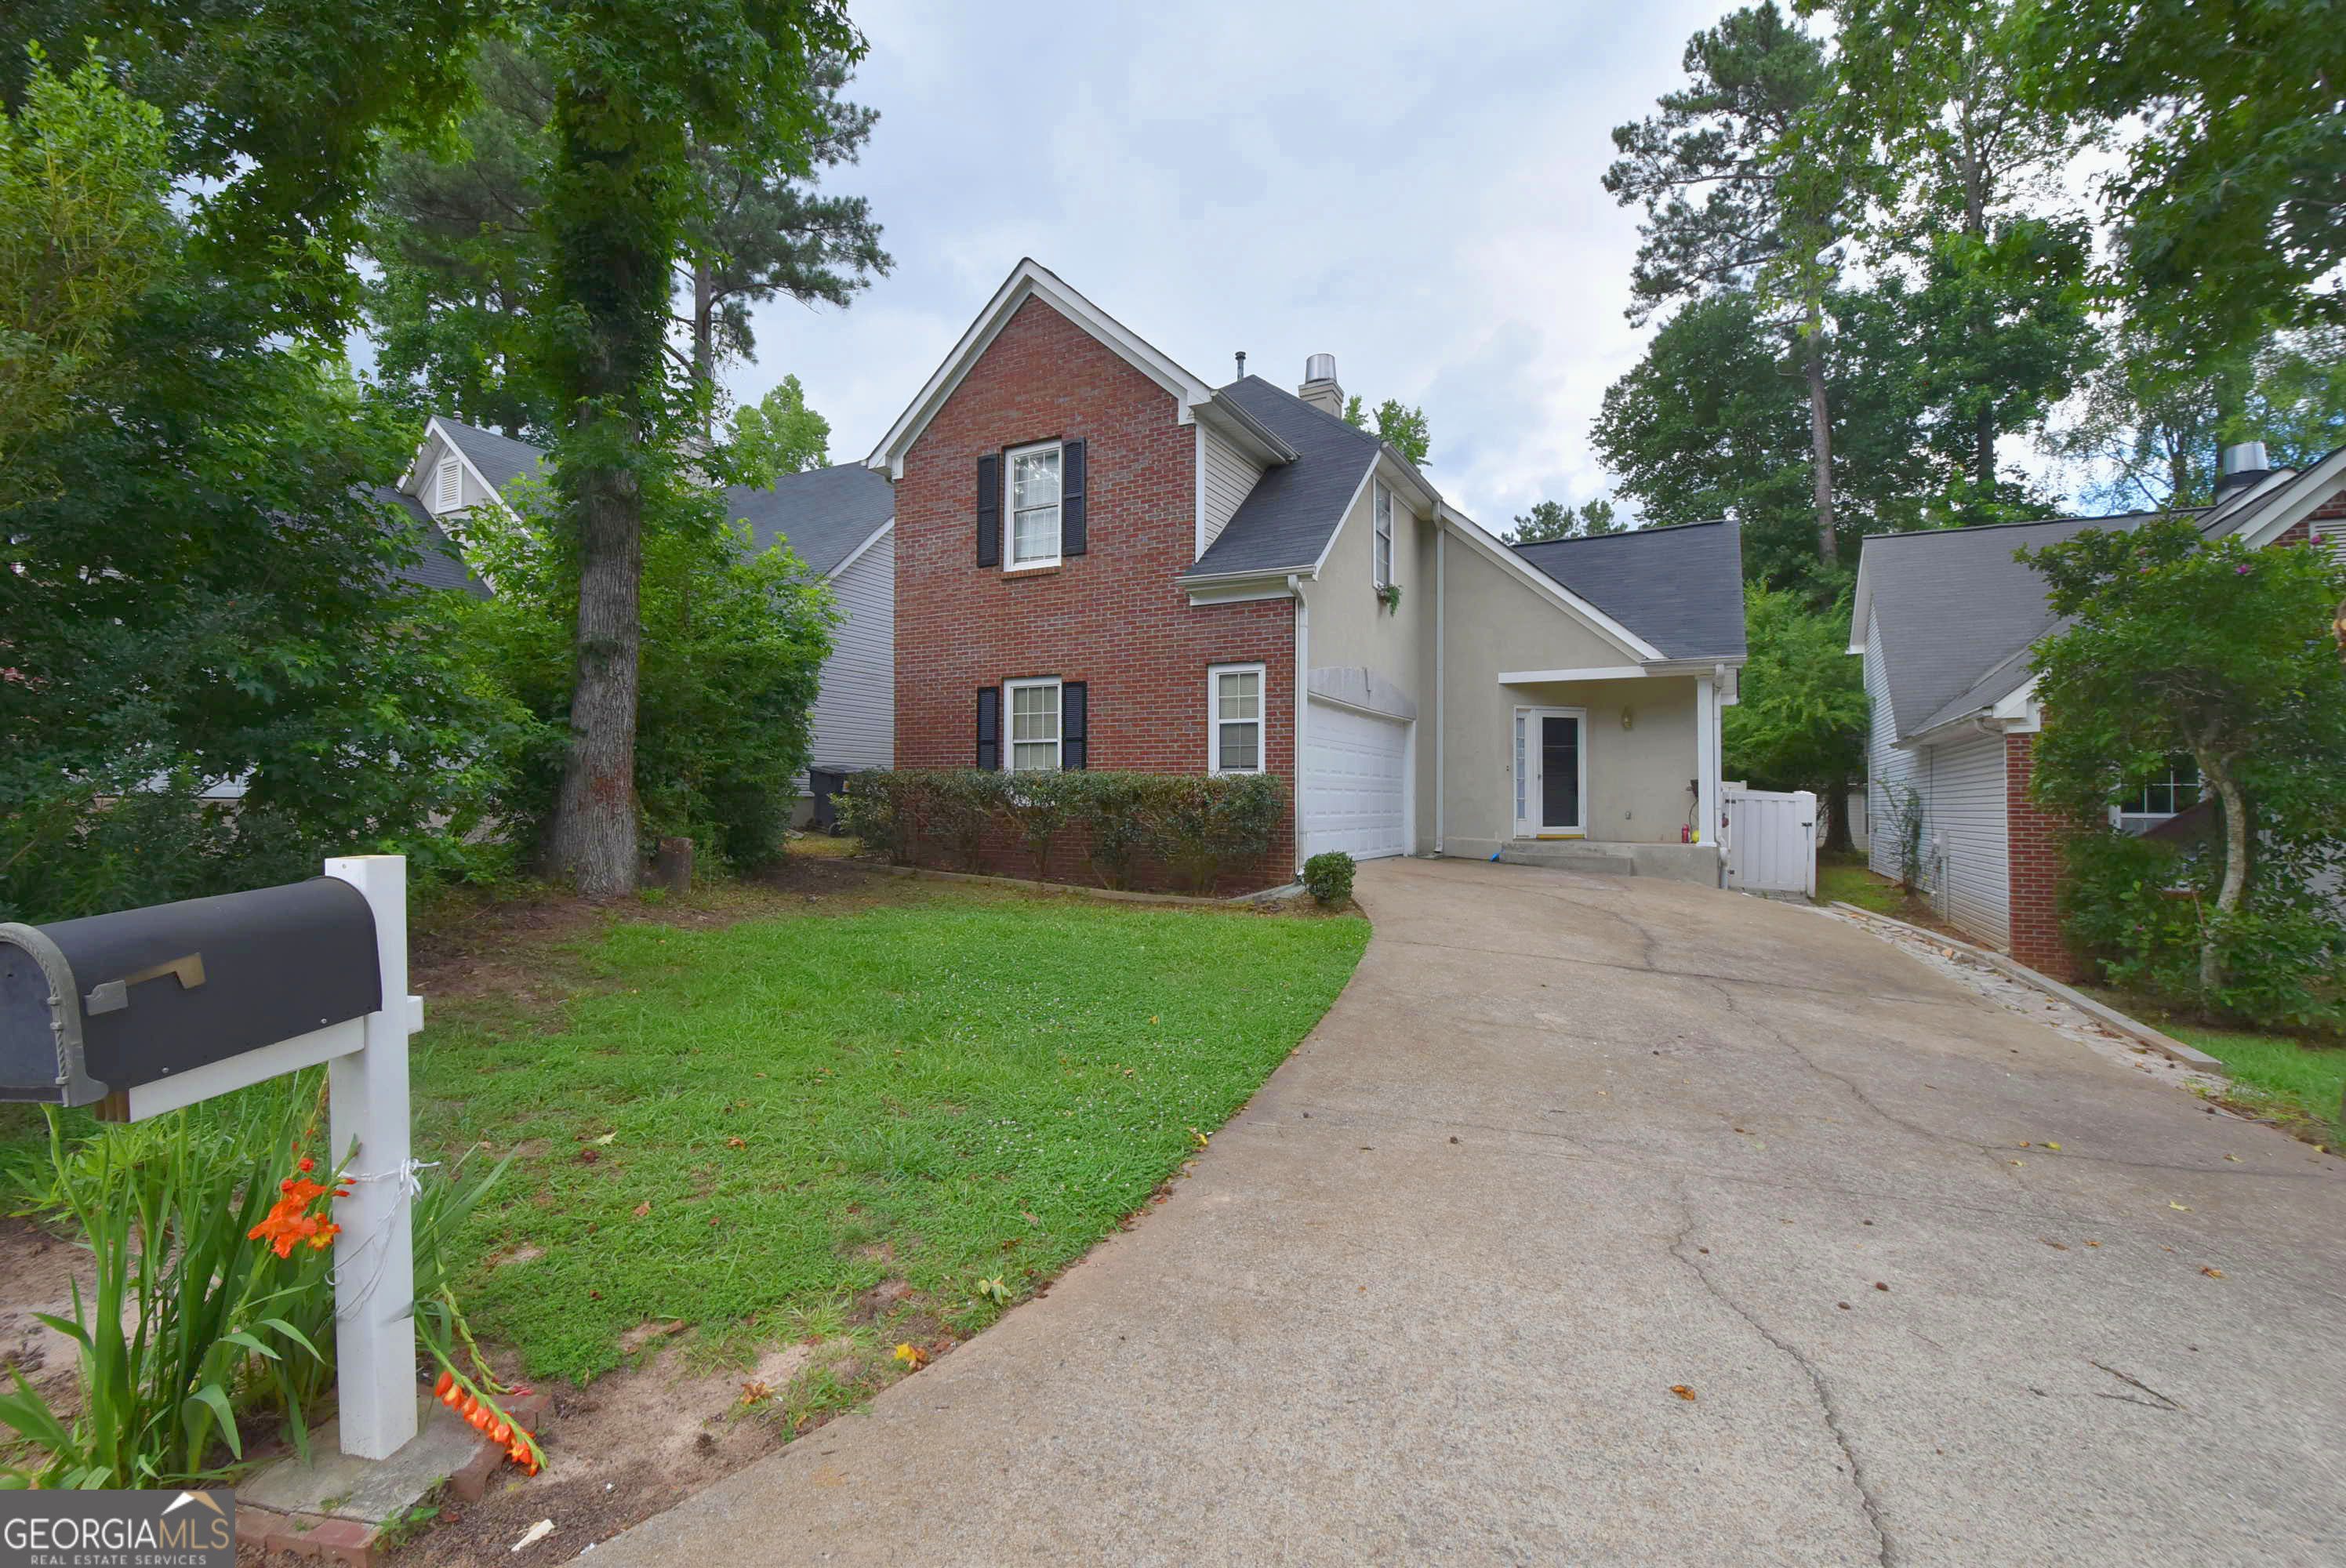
(1706, 759)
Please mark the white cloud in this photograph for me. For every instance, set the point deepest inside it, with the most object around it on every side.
(1416, 192)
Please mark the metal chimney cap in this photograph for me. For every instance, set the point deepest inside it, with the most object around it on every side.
(1320, 368)
(2245, 457)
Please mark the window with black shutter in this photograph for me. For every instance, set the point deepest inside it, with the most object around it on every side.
(989, 510)
(1071, 498)
(989, 728)
(1075, 723)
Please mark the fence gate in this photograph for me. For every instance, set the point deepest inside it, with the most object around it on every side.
(1770, 839)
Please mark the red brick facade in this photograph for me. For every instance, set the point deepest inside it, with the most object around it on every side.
(1112, 617)
(2034, 845)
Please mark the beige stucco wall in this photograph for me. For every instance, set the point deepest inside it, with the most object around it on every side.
(1493, 622)
(1350, 627)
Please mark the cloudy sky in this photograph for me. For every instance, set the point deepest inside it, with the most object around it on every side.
(1414, 189)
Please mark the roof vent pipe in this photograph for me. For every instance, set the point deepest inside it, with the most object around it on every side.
(2240, 466)
(1319, 388)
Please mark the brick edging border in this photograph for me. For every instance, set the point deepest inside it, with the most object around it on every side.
(2165, 1044)
(1118, 894)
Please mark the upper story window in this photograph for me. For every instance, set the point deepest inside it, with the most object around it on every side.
(1035, 728)
(1381, 554)
(448, 491)
(1234, 702)
(1034, 481)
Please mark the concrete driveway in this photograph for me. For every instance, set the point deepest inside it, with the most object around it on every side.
(1566, 1143)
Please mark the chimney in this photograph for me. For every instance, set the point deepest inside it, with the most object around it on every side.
(1320, 389)
(2240, 467)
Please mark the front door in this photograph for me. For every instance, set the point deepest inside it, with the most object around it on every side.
(1551, 772)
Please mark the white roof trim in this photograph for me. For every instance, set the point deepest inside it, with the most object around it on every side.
(1549, 677)
(1030, 279)
(858, 552)
(1464, 527)
(412, 481)
(1342, 517)
(2320, 484)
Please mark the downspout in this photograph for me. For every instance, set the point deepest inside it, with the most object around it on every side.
(1441, 598)
(1302, 705)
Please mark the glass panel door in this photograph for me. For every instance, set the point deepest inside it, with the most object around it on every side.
(1559, 773)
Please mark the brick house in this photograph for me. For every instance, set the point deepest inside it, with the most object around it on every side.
(1948, 622)
(1103, 561)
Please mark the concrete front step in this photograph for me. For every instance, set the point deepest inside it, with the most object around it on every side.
(1694, 863)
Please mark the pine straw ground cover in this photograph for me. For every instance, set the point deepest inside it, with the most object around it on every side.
(878, 1119)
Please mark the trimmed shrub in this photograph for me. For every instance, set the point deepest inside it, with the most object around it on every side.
(1111, 808)
(1330, 877)
(1035, 807)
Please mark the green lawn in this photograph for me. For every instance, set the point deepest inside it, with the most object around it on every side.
(755, 1128)
(2302, 1078)
(1845, 877)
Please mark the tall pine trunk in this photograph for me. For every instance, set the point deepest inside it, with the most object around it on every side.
(1812, 358)
(2216, 770)
(611, 216)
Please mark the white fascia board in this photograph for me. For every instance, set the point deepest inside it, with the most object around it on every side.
(1243, 431)
(1367, 474)
(2244, 501)
(1244, 593)
(2318, 484)
(1429, 499)
(1466, 528)
(1593, 672)
(414, 479)
(1030, 279)
(1861, 609)
(1697, 665)
(860, 551)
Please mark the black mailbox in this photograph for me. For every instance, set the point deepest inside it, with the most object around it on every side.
(93, 1007)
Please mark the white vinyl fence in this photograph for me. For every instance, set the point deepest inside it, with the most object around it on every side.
(1770, 840)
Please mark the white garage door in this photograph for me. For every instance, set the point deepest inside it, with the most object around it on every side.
(1355, 783)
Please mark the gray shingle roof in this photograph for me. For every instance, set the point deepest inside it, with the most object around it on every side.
(440, 566)
(1680, 588)
(1957, 613)
(824, 512)
(500, 458)
(1287, 520)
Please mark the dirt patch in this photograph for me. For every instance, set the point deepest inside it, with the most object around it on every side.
(37, 1274)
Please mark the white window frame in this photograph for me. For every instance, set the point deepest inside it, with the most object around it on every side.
(1525, 801)
(1010, 561)
(448, 486)
(2126, 822)
(1010, 742)
(1381, 537)
(1214, 720)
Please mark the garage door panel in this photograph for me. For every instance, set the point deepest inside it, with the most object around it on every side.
(1356, 794)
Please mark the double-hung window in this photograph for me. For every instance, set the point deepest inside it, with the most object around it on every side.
(2169, 794)
(1035, 729)
(1381, 561)
(1234, 716)
(1034, 482)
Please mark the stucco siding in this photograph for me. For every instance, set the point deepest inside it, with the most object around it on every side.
(1225, 476)
(1966, 835)
(855, 712)
(1889, 771)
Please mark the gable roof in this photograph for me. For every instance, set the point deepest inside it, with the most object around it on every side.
(826, 514)
(499, 459)
(1958, 615)
(1287, 519)
(440, 565)
(1680, 588)
(2265, 510)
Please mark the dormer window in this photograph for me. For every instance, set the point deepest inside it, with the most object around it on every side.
(1035, 506)
(448, 485)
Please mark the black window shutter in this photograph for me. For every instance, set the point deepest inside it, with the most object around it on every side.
(989, 510)
(1071, 499)
(989, 728)
(1075, 723)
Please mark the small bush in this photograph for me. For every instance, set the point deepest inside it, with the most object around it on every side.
(1330, 877)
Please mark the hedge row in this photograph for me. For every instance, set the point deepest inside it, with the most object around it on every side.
(1196, 826)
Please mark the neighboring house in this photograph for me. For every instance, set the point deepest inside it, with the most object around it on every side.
(1105, 562)
(1948, 624)
(840, 520)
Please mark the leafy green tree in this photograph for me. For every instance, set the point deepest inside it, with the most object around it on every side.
(1734, 204)
(1553, 520)
(2210, 651)
(84, 229)
(1799, 722)
(778, 435)
(732, 658)
(1405, 428)
(2227, 215)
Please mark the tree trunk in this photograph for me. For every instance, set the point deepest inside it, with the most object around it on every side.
(2215, 770)
(1820, 434)
(1986, 460)
(594, 832)
(704, 324)
(1838, 838)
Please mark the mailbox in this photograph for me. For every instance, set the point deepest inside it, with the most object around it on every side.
(94, 1007)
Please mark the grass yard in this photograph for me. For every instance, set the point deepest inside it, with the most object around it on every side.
(1846, 879)
(898, 1118)
(2302, 1078)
